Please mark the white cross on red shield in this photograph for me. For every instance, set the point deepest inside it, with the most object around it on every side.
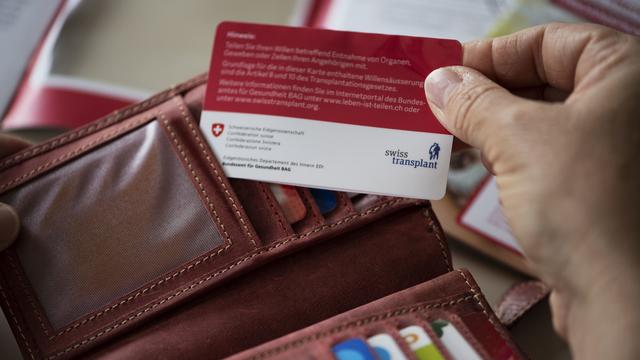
(217, 129)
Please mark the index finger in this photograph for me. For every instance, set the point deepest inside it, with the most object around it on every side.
(559, 55)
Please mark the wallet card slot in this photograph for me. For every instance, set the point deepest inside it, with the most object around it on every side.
(390, 328)
(262, 209)
(394, 332)
(343, 208)
(313, 217)
(423, 325)
(434, 320)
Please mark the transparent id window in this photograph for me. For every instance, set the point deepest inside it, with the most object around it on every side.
(105, 224)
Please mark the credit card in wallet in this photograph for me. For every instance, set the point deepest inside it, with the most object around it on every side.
(327, 109)
(457, 345)
(352, 349)
(420, 343)
(290, 202)
(326, 200)
(386, 347)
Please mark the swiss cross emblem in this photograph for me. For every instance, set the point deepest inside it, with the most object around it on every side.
(217, 129)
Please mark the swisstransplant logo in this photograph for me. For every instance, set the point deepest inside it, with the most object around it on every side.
(434, 151)
(401, 158)
(217, 129)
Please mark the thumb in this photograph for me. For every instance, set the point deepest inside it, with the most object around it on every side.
(9, 225)
(468, 104)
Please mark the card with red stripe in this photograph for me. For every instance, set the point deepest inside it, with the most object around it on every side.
(327, 109)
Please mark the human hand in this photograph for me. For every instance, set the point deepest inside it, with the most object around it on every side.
(555, 116)
(9, 221)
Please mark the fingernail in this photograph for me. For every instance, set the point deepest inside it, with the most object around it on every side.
(9, 225)
(439, 84)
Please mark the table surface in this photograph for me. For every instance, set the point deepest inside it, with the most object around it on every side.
(146, 46)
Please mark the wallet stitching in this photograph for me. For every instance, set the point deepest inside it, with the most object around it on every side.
(100, 124)
(476, 296)
(22, 282)
(460, 325)
(274, 209)
(358, 323)
(217, 173)
(309, 206)
(217, 273)
(436, 232)
(195, 177)
(74, 152)
(17, 323)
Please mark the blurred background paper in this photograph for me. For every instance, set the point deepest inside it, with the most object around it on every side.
(23, 23)
(483, 214)
(102, 55)
(462, 20)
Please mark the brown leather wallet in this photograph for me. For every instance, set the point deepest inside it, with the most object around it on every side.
(134, 244)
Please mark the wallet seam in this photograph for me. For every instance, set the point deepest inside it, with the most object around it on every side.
(429, 215)
(32, 302)
(217, 273)
(100, 124)
(272, 205)
(180, 148)
(476, 296)
(17, 323)
(185, 117)
(309, 206)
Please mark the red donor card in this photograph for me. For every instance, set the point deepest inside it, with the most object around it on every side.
(327, 109)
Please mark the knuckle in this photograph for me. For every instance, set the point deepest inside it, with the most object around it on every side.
(467, 106)
(611, 47)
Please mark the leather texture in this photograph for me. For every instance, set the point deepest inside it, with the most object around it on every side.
(260, 279)
(519, 299)
(454, 296)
